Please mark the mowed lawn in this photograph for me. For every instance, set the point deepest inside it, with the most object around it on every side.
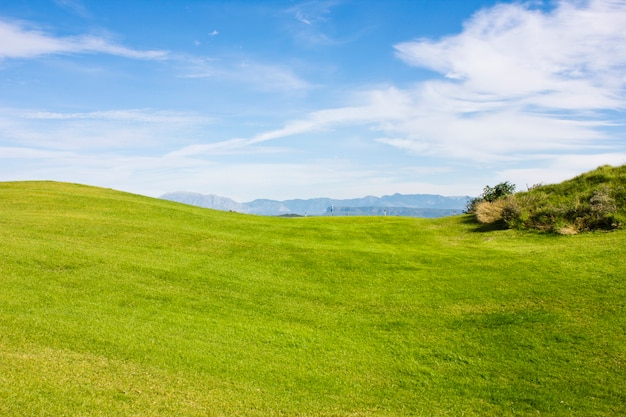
(113, 304)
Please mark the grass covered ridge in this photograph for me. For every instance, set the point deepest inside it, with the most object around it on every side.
(117, 304)
(595, 200)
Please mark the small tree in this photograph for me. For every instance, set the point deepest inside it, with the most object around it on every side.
(491, 194)
(499, 191)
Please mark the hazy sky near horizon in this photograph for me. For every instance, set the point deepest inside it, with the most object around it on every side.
(300, 99)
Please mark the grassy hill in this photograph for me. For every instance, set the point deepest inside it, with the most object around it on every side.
(595, 200)
(113, 304)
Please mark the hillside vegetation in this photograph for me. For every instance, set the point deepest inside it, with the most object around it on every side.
(114, 304)
(595, 200)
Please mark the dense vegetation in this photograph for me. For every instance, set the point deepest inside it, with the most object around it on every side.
(595, 200)
(114, 304)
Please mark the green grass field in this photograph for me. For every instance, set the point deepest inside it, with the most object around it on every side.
(113, 304)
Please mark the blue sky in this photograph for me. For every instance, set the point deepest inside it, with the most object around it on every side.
(329, 98)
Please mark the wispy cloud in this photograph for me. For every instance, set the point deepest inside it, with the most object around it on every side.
(75, 6)
(311, 12)
(382, 107)
(260, 76)
(20, 40)
(132, 115)
(310, 21)
(95, 131)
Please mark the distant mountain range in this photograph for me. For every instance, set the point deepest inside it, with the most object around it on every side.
(412, 205)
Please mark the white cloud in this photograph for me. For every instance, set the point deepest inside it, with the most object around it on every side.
(572, 57)
(20, 41)
(521, 81)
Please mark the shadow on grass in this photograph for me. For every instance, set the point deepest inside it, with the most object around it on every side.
(482, 228)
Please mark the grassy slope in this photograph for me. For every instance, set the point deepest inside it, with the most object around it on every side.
(585, 184)
(592, 200)
(116, 304)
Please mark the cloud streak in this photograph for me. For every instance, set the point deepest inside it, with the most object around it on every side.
(311, 18)
(21, 41)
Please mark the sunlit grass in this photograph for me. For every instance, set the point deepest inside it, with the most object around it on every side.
(115, 304)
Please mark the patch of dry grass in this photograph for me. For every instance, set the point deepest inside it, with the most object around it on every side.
(488, 212)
